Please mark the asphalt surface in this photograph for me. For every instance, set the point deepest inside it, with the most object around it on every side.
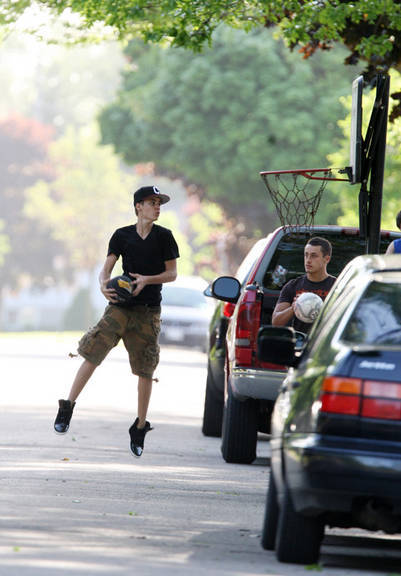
(81, 504)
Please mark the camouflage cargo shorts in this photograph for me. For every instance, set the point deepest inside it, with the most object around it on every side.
(139, 329)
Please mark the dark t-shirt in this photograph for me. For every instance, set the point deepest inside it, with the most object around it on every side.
(144, 256)
(299, 285)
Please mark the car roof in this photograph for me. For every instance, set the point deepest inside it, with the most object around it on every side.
(194, 282)
(369, 263)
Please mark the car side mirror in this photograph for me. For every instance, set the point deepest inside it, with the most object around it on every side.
(279, 344)
(226, 288)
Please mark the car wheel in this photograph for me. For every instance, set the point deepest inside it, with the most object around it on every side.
(298, 537)
(271, 516)
(240, 429)
(213, 409)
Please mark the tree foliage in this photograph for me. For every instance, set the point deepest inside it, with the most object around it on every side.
(4, 244)
(216, 119)
(45, 88)
(57, 85)
(170, 219)
(371, 30)
(89, 197)
(86, 200)
(24, 144)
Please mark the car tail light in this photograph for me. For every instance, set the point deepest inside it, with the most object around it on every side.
(379, 408)
(381, 400)
(341, 395)
(340, 385)
(353, 396)
(228, 309)
(382, 389)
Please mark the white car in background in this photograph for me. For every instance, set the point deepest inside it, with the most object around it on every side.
(186, 312)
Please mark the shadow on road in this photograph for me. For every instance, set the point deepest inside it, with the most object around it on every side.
(80, 504)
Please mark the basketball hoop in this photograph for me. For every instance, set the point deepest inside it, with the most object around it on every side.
(296, 194)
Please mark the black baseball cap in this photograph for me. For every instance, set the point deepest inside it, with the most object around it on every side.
(146, 191)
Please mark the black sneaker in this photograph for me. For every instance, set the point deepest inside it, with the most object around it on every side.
(138, 437)
(62, 421)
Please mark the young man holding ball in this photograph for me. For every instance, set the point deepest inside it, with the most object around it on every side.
(149, 254)
(317, 255)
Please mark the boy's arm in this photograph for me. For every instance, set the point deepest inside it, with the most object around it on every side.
(282, 314)
(169, 275)
(105, 275)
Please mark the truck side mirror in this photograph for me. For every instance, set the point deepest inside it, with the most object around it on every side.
(226, 288)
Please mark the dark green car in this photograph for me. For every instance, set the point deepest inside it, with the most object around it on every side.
(336, 424)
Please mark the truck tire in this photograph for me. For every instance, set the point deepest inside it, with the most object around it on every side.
(298, 537)
(213, 409)
(240, 430)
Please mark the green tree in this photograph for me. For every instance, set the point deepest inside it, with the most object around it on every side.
(219, 243)
(371, 30)
(24, 159)
(217, 118)
(86, 200)
(44, 89)
(170, 220)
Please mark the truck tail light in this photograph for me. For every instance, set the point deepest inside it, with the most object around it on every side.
(228, 309)
(246, 329)
(368, 399)
(246, 332)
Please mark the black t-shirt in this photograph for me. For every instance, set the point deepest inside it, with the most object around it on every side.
(144, 256)
(299, 285)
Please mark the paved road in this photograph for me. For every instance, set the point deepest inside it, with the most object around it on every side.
(80, 504)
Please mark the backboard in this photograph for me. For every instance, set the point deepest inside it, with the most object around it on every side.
(356, 141)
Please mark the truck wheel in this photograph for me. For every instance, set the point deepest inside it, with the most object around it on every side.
(240, 429)
(271, 516)
(213, 409)
(298, 537)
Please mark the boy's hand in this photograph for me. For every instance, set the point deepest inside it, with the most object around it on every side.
(139, 281)
(108, 293)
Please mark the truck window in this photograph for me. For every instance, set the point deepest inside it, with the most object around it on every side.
(288, 260)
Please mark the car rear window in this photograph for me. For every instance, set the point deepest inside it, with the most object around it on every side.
(288, 260)
(250, 259)
(377, 316)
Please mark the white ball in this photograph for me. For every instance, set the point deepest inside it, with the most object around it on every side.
(307, 307)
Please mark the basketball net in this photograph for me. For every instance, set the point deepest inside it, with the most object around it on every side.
(296, 195)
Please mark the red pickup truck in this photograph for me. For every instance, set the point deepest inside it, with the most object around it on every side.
(247, 386)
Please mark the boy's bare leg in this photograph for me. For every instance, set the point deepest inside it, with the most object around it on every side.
(144, 393)
(84, 373)
(66, 407)
(141, 427)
